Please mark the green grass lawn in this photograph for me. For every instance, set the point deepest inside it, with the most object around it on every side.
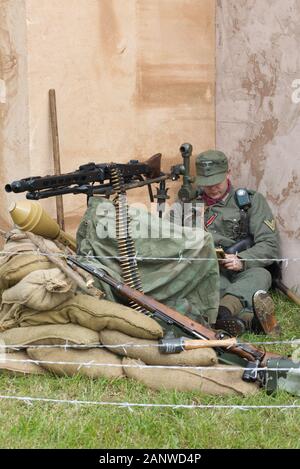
(49, 425)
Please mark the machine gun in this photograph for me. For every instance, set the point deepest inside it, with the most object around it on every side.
(96, 179)
(90, 179)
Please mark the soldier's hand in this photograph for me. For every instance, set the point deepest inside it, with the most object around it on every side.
(232, 262)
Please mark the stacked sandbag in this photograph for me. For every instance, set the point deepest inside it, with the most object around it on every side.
(28, 277)
(148, 351)
(93, 313)
(140, 354)
(76, 322)
(40, 309)
(47, 327)
(20, 257)
(39, 349)
(18, 363)
(119, 356)
(68, 334)
(18, 242)
(220, 380)
(19, 266)
(40, 290)
(93, 363)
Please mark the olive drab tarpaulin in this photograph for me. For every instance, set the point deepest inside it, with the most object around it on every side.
(169, 271)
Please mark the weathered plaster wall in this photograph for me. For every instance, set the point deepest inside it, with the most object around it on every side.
(132, 78)
(14, 117)
(258, 125)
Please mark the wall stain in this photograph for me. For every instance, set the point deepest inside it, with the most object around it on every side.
(110, 35)
(169, 72)
(291, 234)
(252, 147)
(257, 123)
(257, 83)
(287, 192)
(293, 187)
(163, 85)
(8, 73)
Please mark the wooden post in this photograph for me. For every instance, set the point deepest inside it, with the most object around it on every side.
(56, 157)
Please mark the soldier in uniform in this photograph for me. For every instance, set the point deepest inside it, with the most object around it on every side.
(242, 217)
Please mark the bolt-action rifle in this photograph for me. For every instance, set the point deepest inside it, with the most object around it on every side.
(253, 357)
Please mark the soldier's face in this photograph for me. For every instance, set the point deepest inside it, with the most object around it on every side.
(217, 190)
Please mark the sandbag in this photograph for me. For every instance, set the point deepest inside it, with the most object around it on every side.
(212, 381)
(15, 248)
(8, 313)
(148, 351)
(79, 357)
(18, 242)
(19, 266)
(90, 312)
(49, 335)
(41, 290)
(24, 366)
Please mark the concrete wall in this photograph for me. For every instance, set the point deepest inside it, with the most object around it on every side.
(132, 78)
(258, 124)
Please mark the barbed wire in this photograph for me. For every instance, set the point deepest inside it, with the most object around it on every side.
(133, 345)
(90, 363)
(137, 257)
(130, 405)
(141, 365)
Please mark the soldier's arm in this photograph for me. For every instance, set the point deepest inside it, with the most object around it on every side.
(265, 235)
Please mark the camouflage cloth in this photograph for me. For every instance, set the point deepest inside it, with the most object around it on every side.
(167, 274)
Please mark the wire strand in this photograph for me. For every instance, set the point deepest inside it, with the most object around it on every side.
(130, 405)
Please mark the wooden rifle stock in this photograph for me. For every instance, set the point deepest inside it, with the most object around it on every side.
(171, 316)
(284, 289)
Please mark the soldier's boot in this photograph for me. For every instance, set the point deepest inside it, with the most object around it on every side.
(228, 323)
(227, 320)
(264, 320)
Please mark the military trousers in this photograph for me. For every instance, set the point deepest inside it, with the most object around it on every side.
(244, 284)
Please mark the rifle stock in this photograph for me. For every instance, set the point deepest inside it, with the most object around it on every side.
(287, 291)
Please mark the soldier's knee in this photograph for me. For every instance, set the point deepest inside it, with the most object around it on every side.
(262, 276)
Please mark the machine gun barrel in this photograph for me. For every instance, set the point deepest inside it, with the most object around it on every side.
(103, 189)
(82, 180)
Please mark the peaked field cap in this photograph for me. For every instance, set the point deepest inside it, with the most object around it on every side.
(211, 167)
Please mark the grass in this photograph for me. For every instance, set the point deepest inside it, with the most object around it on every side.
(49, 425)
